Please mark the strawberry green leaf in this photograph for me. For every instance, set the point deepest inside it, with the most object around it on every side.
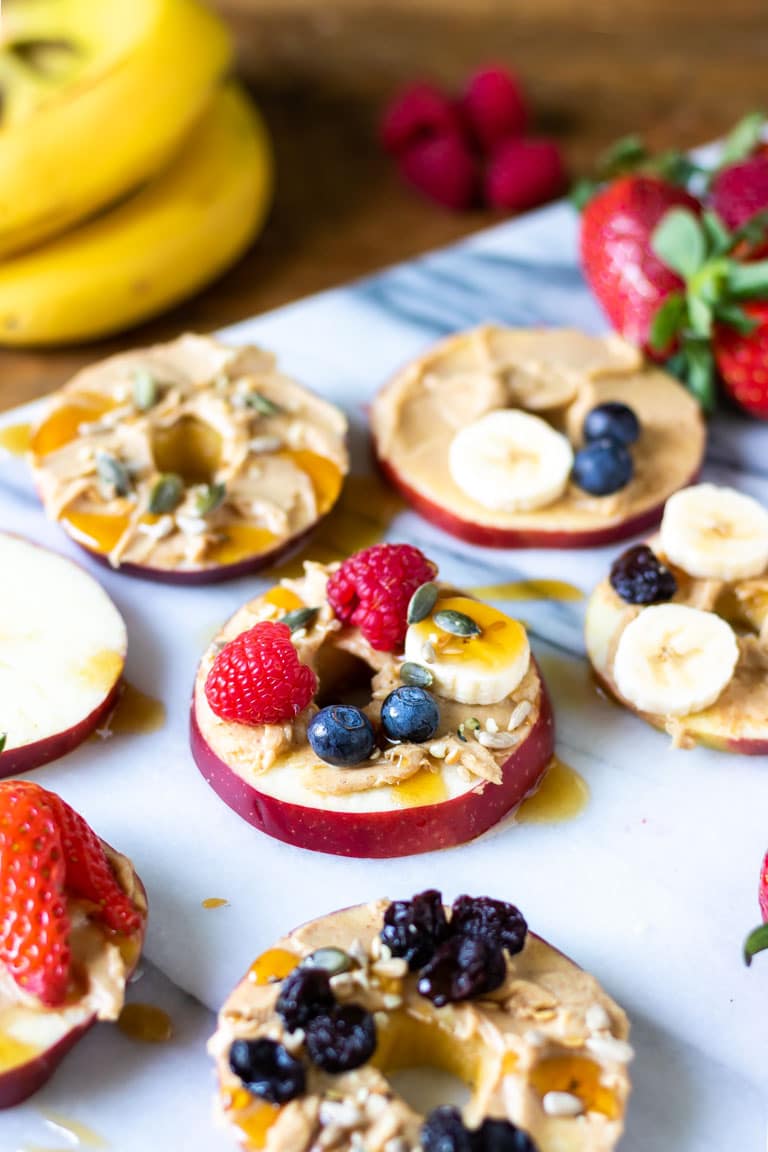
(700, 316)
(674, 167)
(678, 241)
(668, 321)
(626, 155)
(719, 239)
(735, 317)
(753, 232)
(757, 941)
(742, 140)
(748, 281)
(700, 372)
(582, 192)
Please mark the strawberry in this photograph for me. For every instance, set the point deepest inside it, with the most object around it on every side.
(742, 360)
(757, 941)
(625, 274)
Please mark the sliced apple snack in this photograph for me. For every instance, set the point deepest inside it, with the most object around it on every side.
(72, 920)
(61, 656)
(679, 631)
(366, 710)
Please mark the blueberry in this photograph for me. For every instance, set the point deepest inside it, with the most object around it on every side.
(268, 1070)
(341, 735)
(341, 1039)
(639, 577)
(602, 467)
(612, 421)
(410, 714)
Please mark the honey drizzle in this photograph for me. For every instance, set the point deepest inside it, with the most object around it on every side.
(80, 1134)
(562, 795)
(146, 1023)
(136, 712)
(215, 902)
(424, 787)
(529, 590)
(16, 438)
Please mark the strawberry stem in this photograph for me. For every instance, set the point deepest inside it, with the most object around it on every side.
(757, 941)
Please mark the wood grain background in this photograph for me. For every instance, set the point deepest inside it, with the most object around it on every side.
(678, 71)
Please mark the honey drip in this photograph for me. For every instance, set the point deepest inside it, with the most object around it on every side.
(578, 1076)
(14, 1052)
(16, 438)
(146, 1023)
(77, 1133)
(215, 902)
(424, 787)
(274, 964)
(529, 590)
(136, 712)
(62, 425)
(562, 795)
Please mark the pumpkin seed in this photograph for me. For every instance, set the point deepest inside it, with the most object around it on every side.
(415, 674)
(145, 390)
(262, 404)
(209, 498)
(334, 961)
(299, 618)
(113, 473)
(166, 494)
(457, 623)
(422, 602)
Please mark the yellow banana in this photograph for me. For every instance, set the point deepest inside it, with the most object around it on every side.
(154, 248)
(95, 96)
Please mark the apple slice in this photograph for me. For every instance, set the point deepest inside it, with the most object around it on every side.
(61, 658)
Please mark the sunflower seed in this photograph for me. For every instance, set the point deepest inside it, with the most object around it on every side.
(457, 623)
(113, 473)
(166, 494)
(561, 1104)
(299, 618)
(415, 674)
(262, 404)
(262, 445)
(145, 390)
(422, 602)
(597, 1019)
(610, 1048)
(496, 739)
(209, 498)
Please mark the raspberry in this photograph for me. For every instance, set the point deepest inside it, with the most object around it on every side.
(258, 679)
(372, 590)
(524, 173)
(443, 169)
(494, 107)
(738, 193)
(418, 113)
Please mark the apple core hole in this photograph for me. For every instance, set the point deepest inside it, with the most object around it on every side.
(745, 614)
(342, 678)
(189, 447)
(426, 1088)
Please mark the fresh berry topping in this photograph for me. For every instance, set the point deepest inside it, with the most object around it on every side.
(305, 993)
(612, 421)
(602, 467)
(268, 1070)
(34, 923)
(757, 941)
(342, 735)
(414, 928)
(373, 588)
(639, 577)
(501, 1136)
(493, 921)
(444, 1131)
(342, 1039)
(739, 192)
(417, 114)
(524, 174)
(410, 714)
(494, 107)
(461, 968)
(742, 356)
(443, 169)
(257, 678)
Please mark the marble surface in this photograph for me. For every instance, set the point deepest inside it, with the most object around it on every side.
(651, 887)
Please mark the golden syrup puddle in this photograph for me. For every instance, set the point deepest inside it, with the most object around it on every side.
(254, 1118)
(146, 1023)
(215, 902)
(529, 590)
(136, 712)
(424, 787)
(78, 1134)
(16, 438)
(562, 795)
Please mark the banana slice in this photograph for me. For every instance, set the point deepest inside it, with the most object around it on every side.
(715, 533)
(510, 461)
(473, 669)
(672, 660)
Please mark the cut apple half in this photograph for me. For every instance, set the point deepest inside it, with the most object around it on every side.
(557, 376)
(62, 652)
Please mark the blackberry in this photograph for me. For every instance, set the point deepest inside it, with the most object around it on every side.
(305, 993)
(639, 577)
(492, 921)
(501, 1136)
(462, 967)
(414, 928)
(268, 1070)
(444, 1131)
(342, 1039)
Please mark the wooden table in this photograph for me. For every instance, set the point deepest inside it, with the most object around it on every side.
(679, 71)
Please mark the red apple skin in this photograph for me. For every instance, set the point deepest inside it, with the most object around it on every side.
(744, 747)
(489, 536)
(19, 1083)
(403, 832)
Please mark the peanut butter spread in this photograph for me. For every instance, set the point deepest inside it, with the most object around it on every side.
(546, 1050)
(558, 375)
(740, 715)
(469, 750)
(188, 455)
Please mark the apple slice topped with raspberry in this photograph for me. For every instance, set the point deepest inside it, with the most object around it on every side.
(72, 920)
(364, 710)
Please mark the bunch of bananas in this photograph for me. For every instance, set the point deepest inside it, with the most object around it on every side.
(131, 170)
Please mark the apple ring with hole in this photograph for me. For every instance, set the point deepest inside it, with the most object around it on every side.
(189, 462)
(308, 1043)
(678, 633)
(537, 438)
(73, 915)
(365, 710)
(63, 653)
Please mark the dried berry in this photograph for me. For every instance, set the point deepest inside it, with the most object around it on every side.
(268, 1070)
(414, 928)
(493, 921)
(305, 993)
(342, 1039)
(501, 1136)
(639, 577)
(444, 1131)
(460, 969)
